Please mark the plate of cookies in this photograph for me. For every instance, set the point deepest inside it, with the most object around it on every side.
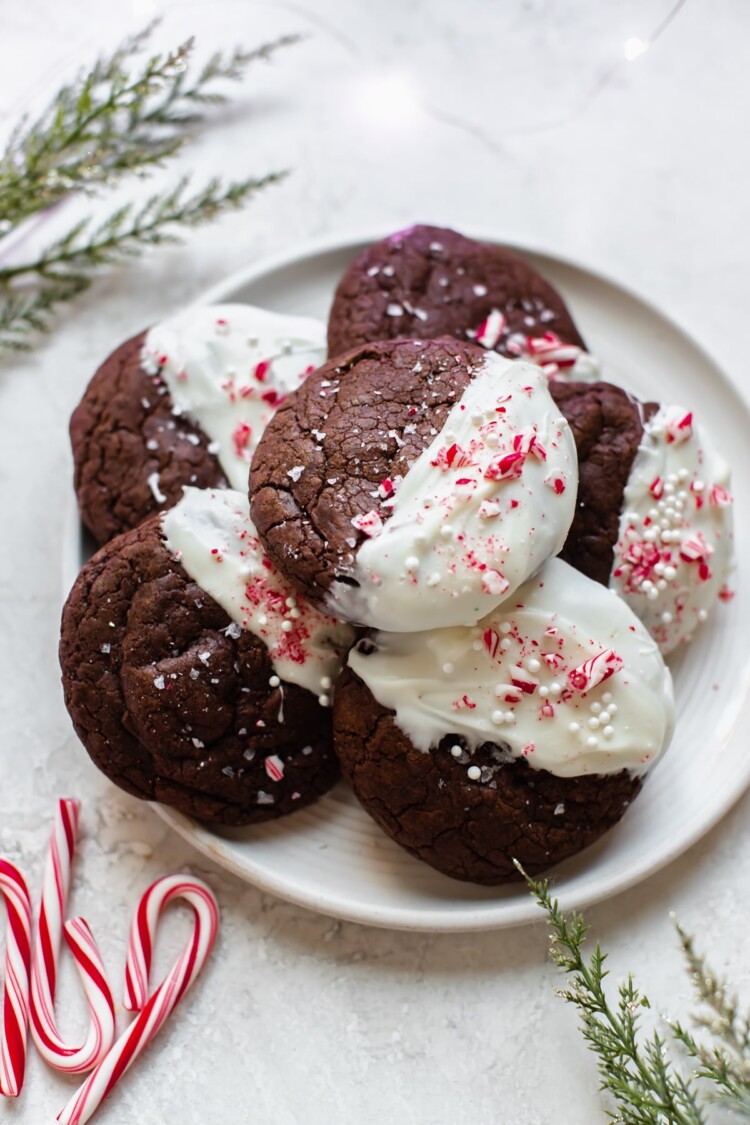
(404, 559)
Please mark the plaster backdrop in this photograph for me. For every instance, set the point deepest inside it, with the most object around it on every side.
(523, 117)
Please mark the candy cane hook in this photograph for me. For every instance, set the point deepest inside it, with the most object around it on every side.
(50, 1044)
(156, 1010)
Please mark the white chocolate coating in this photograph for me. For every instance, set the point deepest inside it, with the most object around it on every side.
(674, 549)
(228, 367)
(210, 533)
(562, 674)
(489, 501)
(557, 359)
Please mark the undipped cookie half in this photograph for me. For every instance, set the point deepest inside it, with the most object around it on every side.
(184, 404)
(220, 710)
(522, 738)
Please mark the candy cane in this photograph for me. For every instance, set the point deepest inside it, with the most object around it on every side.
(17, 960)
(157, 1009)
(55, 888)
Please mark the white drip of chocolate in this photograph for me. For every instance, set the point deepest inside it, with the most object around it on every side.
(210, 533)
(228, 368)
(479, 511)
(562, 674)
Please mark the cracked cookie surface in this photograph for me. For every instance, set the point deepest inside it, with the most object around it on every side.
(173, 701)
(470, 830)
(428, 282)
(357, 421)
(365, 417)
(129, 446)
(607, 424)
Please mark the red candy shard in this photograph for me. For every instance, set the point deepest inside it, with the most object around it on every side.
(680, 429)
(595, 670)
(274, 767)
(494, 583)
(695, 549)
(369, 524)
(491, 639)
(491, 329)
(241, 437)
(718, 497)
(523, 680)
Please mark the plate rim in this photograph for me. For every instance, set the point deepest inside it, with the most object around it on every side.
(507, 913)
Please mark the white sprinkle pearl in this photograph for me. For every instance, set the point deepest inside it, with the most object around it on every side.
(498, 717)
(274, 681)
(291, 602)
(612, 708)
(544, 691)
(604, 717)
(592, 741)
(286, 626)
(574, 727)
(326, 682)
(505, 644)
(594, 722)
(510, 717)
(474, 773)
(666, 617)
(412, 563)
(456, 751)
(533, 665)
(596, 708)
(295, 613)
(505, 626)
(448, 668)
(262, 620)
(446, 531)
(324, 700)
(608, 732)
(554, 688)
(607, 697)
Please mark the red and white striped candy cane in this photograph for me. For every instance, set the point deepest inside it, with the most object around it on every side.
(56, 885)
(17, 960)
(158, 1008)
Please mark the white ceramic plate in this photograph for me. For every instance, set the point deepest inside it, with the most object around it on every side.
(332, 857)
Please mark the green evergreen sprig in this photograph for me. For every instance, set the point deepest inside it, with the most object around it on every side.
(635, 1067)
(127, 115)
(725, 1064)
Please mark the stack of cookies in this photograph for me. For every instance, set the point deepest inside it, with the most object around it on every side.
(461, 560)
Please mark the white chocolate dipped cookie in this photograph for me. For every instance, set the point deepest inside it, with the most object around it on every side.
(673, 554)
(413, 484)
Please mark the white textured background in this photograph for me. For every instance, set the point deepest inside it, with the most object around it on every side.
(520, 116)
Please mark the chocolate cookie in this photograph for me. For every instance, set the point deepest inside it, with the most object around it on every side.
(184, 404)
(523, 737)
(471, 830)
(411, 483)
(176, 702)
(607, 424)
(428, 282)
(132, 454)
